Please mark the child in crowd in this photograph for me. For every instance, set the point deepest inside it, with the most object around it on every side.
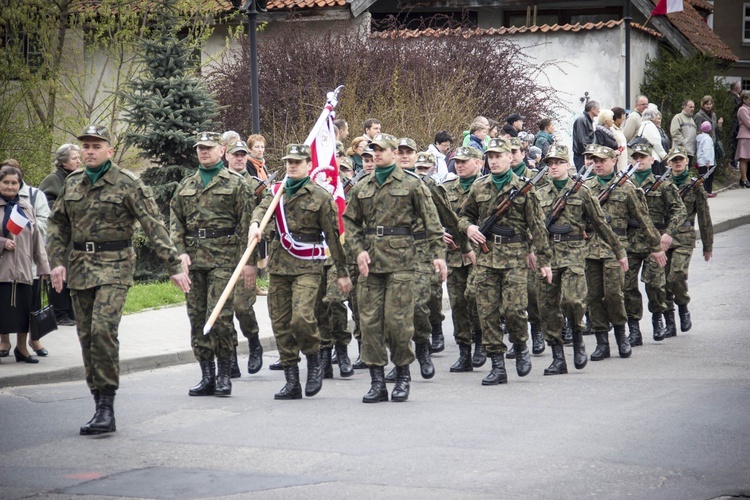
(705, 157)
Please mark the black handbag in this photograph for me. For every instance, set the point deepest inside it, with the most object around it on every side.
(43, 321)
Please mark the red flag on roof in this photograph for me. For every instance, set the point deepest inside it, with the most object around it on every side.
(665, 7)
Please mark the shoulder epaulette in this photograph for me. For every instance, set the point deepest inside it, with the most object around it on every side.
(235, 173)
(76, 172)
(481, 177)
(412, 174)
(129, 174)
(450, 177)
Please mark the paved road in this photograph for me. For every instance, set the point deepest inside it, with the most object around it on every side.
(669, 423)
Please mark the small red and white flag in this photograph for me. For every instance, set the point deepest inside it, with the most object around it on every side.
(324, 169)
(17, 221)
(665, 7)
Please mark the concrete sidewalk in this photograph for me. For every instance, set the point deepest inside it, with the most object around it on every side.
(159, 338)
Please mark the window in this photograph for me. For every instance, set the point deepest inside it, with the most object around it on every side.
(561, 16)
(746, 23)
(745, 84)
(20, 48)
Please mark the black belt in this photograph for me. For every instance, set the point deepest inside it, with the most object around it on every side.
(500, 239)
(303, 237)
(688, 223)
(91, 246)
(556, 237)
(620, 231)
(421, 235)
(210, 233)
(390, 231)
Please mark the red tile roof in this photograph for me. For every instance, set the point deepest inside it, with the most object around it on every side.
(693, 26)
(303, 4)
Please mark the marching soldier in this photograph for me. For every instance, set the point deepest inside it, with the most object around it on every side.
(567, 213)
(667, 212)
(384, 208)
(96, 211)
(305, 220)
(208, 213)
(604, 274)
(501, 273)
(681, 250)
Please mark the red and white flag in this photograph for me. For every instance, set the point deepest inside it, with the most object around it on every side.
(17, 221)
(665, 7)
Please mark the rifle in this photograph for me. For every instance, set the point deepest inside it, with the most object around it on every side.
(658, 182)
(264, 184)
(686, 188)
(492, 219)
(622, 178)
(559, 205)
(428, 175)
(349, 184)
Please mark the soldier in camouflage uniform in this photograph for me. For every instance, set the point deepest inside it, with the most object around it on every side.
(667, 212)
(681, 250)
(245, 296)
(566, 295)
(305, 219)
(502, 272)
(96, 211)
(208, 213)
(469, 162)
(604, 275)
(383, 210)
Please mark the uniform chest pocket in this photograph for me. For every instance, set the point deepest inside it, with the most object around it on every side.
(398, 192)
(453, 197)
(222, 191)
(73, 195)
(111, 206)
(617, 196)
(310, 206)
(366, 193)
(188, 192)
(483, 197)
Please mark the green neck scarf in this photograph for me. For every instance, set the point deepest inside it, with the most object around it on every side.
(560, 184)
(466, 183)
(519, 169)
(640, 176)
(94, 174)
(293, 186)
(680, 179)
(382, 173)
(209, 173)
(604, 179)
(500, 180)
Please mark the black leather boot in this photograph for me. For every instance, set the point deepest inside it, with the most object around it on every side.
(104, 418)
(391, 377)
(426, 368)
(523, 360)
(635, 337)
(497, 375)
(558, 366)
(685, 322)
(345, 364)
(671, 326)
(567, 333)
(314, 374)
(623, 344)
(276, 365)
(480, 355)
(400, 391)
(85, 427)
(438, 340)
(255, 361)
(537, 338)
(602, 346)
(378, 391)
(325, 362)
(463, 364)
(235, 371)
(660, 332)
(223, 382)
(292, 389)
(579, 351)
(511, 352)
(358, 364)
(207, 385)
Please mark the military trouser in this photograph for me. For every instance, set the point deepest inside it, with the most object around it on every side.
(422, 289)
(502, 292)
(291, 305)
(330, 311)
(435, 304)
(654, 278)
(386, 316)
(564, 298)
(605, 299)
(244, 299)
(532, 291)
(205, 290)
(678, 261)
(98, 312)
(463, 308)
(354, 276)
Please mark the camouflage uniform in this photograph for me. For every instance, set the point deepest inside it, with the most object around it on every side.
(99, 278)
(245, 297)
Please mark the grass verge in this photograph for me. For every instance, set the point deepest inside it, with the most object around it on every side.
(149, 295)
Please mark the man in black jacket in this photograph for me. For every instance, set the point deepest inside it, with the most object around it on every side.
(583, 131)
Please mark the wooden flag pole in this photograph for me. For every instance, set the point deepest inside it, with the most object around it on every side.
(245, 257)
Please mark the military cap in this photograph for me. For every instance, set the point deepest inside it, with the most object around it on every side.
(405, 142)
(676, 152)
(467, 153)
(368, 150)
(498, 146)
(604, 152)
(642, 149)
(239, 146)
(514, 117)
(590, 148)
(345, 162)
(425, 159)
(297, 152)
(385, 141)
(558, 151)
(515, 143)
(96, 132)
(209, 139)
